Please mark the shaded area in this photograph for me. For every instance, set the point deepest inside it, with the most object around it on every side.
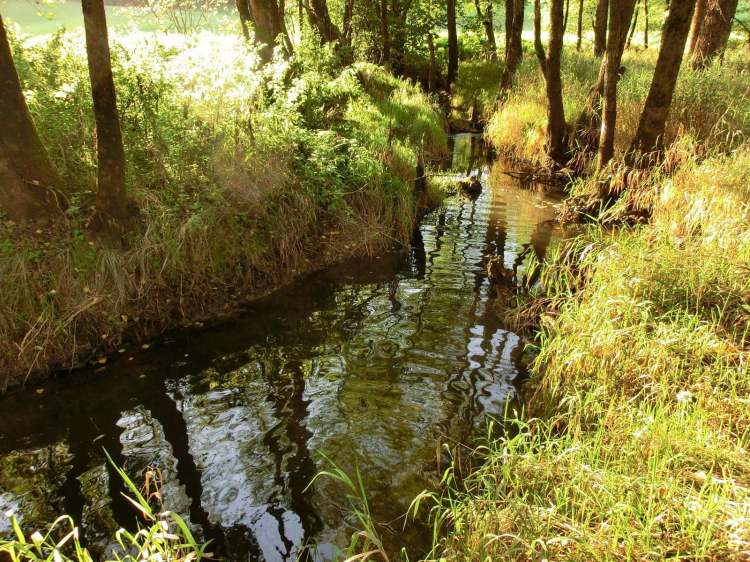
(370, 362)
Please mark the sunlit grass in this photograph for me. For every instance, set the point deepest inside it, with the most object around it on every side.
(635, 444)
(237, 171)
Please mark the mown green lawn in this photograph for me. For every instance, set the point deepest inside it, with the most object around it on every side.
(37, 18)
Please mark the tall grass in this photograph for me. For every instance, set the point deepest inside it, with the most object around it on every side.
(712, 106)
(244, 176)
(637, 423)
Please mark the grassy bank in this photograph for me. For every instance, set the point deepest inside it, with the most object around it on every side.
(636, 433)
(245, 177)
(712, 105)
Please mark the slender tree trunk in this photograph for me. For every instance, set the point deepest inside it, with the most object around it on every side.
(385, 36)
(620, 14)
(550, 63)
(695, 25)
(634, 24)
(509, 10)
(489, 28)
(600, 27)
(565, 18)
(649, 137)
(513, 43)
(645, 24)
(432, 72)
(579, 29)
(714, 31)
(27, 177)
(268, 25)
(111, 198)
(452, 43)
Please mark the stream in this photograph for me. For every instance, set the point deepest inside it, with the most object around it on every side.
(372, 362)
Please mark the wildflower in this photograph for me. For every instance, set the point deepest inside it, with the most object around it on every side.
(684, 396)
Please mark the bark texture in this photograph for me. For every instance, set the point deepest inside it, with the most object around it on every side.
(550, 62)
(713, 31)
(111, 199)
(649, 137)
(600, 27)
(27, 177)
(513, 45)
(317, 11)
(268, 20)
(452, 43)
(620, 14)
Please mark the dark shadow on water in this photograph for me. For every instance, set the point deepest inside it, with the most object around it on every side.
(371, 362)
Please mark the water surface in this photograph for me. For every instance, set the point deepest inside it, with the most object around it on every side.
(371, 362)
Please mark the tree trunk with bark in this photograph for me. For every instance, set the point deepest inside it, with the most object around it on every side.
(513, 43)
(269, 24)
(111, 198)
(579, 29)
(320, 19)
(452, 43)
(649, 137)
(645, 24)
(620, 14)
(487, 20)
(550, 63)
(714, 30)
(246, 17)
(27, 177)
(600, 27)
(695, 24)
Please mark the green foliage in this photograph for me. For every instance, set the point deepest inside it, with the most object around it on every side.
(236, 169)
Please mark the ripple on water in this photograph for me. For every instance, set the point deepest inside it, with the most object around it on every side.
(369, 363)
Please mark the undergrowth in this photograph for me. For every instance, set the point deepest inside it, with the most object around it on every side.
(244, 177)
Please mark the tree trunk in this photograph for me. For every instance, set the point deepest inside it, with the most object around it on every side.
(550, 63)
(695, 25)
(268, 25)
(600, 27)
(565, 18)
(489, 28)
(28, 178)
(645, 24)
(634, 24)
(317, 11)
(111, 198)
(714, 31)
(246, 18)
(385, 36)
(620, 14)
(513, 43)
(452, 43)
(579, 30)
(432, 71)
(649, 137)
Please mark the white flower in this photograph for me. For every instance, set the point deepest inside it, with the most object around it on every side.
(37, 538)
(684, 396)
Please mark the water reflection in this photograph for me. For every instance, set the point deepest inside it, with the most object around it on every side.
(370, 362)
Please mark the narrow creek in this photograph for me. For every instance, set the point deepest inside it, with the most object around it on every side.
(371, 362)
